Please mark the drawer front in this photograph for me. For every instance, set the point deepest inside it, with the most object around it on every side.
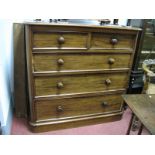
(60, 40)
(62, 62)
(70, 84)
(101, 40)
(72, 107)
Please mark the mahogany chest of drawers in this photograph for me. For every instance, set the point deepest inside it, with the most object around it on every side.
(77, 74)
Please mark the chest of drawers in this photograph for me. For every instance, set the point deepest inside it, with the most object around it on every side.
(77, 74)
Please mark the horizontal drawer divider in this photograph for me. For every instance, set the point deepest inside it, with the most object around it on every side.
(102, 48)
(83, 52)
(78, 95)
(75, 72)
(51, 48)
(78, 117)
(65, 49)
(58, 31)
(56, 121)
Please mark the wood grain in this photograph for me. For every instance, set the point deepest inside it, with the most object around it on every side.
(71, 39)
(143, 106)
(68, 67)
(79, 83)
(103, 40)
(79, 61)
(72, 107)
(48, 50)
(30, 79)
(45, 27)
(72, 123)
(20, 92)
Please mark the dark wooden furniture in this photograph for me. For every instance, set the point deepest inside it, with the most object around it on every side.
(20, 82)
(148, 44)
(77, 74)
(0, 128)
(143, 107)
(145, 50)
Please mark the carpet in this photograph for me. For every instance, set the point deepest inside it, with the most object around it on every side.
(20, 127)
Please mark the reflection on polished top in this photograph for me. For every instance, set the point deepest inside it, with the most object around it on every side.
(81, 23)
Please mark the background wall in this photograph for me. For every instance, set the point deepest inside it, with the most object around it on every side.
(6, 74)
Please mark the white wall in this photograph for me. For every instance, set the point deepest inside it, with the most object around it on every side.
(6, 69)
(6, 72)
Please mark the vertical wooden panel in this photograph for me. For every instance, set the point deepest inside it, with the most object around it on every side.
(20, 95)
(0, 128)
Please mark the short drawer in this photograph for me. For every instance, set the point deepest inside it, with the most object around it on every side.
(83, 61)
(79, 83)
(77, 107)
(60, 40)
(114, 41)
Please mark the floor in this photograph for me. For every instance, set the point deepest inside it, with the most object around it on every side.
(20, 127)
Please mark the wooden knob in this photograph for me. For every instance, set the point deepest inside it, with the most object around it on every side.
(60, 61)
(60, 85)
(111, 61)
(107, 81)
(114, 41)
(59, 109)
(61, 40)
(104, 104)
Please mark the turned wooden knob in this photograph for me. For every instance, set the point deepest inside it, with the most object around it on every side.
(114, 41)
(59, 109)
(104, 104)
(60, 61)
(107, 81)
(60, 85)
(61, 40)
(111, 61)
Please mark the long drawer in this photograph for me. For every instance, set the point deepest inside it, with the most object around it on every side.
(79, 83)
(75, 107)
(79, 61)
